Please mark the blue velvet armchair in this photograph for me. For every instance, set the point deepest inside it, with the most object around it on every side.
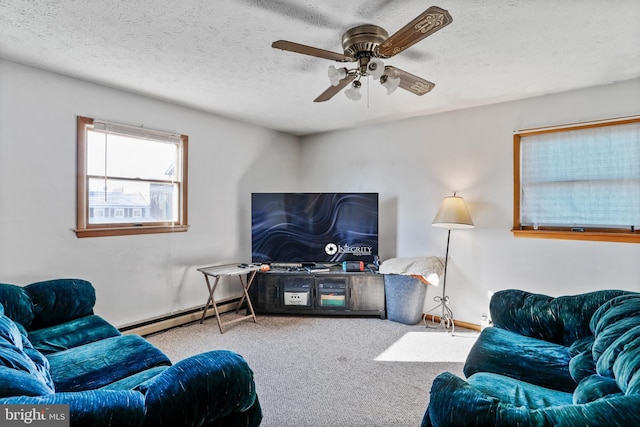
(566, 361)
(55, 350)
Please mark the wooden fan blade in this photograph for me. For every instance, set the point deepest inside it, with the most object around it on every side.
(333, 90)
(311, 51)
(427, 23)
(409, 82)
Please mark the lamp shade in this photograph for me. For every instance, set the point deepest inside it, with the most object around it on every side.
(453, 213)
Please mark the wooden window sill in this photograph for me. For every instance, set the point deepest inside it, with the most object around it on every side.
(128, 231)
(598, 236)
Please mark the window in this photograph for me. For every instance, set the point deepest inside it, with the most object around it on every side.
(131, 180)
(579, 182)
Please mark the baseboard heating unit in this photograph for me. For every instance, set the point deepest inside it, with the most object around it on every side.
(178, 318)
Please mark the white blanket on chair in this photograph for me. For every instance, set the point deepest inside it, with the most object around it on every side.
(429, 268)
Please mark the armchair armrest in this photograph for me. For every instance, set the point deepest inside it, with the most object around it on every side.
(456, 403)
(93, 408)
(202, 390)
(560, 320)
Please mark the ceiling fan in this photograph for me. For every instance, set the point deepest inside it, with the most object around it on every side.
(368, 45)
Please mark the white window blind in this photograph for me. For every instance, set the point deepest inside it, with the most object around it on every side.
(586, 177)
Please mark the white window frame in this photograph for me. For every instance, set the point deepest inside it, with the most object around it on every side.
(629, 233)
(84, 228)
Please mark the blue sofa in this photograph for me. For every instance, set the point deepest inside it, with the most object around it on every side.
(55, 350)
(566, 361)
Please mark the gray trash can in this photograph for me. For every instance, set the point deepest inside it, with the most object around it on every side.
(405, 298)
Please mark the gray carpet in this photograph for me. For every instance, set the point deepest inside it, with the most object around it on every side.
(319, 371)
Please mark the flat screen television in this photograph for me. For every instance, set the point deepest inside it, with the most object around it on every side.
(314, 227)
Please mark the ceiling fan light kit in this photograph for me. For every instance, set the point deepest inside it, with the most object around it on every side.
(353, 93)
(375, 68)
(390, 83)
(336, 74)
(366, 45)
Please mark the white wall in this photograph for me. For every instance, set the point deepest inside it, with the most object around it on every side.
(414, 163)
(136, 277)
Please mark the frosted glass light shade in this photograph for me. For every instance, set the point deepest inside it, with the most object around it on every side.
(375, 68)
(391, 84)
(336, 74)
(353, 92)
(453, 213)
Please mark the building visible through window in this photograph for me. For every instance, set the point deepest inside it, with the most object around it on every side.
(131, 180)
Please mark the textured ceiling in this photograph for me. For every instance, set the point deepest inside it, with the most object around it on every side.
(216, 55)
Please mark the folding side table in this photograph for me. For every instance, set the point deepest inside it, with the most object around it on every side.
(218, 271)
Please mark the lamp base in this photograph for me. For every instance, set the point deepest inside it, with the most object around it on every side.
(446, 316)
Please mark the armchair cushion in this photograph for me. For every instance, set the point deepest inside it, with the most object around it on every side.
(532, 360)
(60, 300)
(100, 363)
(73, 333)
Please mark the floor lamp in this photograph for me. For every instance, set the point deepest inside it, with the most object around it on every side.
(453, 213)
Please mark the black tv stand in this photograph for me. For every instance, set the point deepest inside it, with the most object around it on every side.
(333, 292)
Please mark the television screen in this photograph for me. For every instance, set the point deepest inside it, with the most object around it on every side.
(314, 227)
